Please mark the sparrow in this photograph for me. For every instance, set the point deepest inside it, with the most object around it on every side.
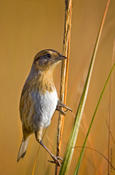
(39, 100)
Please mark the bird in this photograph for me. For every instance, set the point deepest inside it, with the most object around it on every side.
(39, 100)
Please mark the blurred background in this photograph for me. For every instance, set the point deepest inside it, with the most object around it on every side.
(26, 27)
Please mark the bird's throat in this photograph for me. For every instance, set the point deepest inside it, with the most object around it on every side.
(45, 82)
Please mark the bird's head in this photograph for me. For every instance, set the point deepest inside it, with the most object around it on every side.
(47, 59)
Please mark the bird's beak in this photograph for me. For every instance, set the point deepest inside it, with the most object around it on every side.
(57, 59)
(61, 57)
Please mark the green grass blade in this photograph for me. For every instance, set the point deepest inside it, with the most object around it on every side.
(75, 130)
(73, 137)
(93, 117)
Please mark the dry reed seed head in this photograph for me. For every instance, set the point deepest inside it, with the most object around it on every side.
(46, 59)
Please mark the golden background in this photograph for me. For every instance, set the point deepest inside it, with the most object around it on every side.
(28, 26)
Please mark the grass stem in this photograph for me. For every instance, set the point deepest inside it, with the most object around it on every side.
(64, 72)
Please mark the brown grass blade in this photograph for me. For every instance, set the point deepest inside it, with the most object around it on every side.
(64, 72)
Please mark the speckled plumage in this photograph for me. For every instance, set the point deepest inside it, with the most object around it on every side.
(41, 101)
(41, 104)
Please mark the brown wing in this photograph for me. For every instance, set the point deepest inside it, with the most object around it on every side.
(26, 106)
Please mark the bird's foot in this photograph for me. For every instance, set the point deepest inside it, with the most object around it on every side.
(59, 107)
(56, 160)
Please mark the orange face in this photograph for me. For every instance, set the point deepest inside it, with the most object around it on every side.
(46, 59)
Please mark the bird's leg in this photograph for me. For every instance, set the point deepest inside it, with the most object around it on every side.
(39, 140)
(61, 105)
(60, 110)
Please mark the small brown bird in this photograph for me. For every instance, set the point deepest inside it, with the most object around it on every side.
(39, 99)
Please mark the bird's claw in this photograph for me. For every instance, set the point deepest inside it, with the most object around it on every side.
(68, 109)
(63, 112)
(59, 158)
(61, 105)
(56, 160)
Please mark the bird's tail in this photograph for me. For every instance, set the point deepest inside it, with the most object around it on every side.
(22, 149)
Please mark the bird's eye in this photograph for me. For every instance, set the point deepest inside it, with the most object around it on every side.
(48, 55)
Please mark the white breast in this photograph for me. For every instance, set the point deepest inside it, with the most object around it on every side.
(45, 106)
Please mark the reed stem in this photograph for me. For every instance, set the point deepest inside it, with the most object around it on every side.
(64, 72)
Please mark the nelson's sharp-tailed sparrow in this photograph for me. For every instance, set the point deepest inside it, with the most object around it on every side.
(39, 99)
